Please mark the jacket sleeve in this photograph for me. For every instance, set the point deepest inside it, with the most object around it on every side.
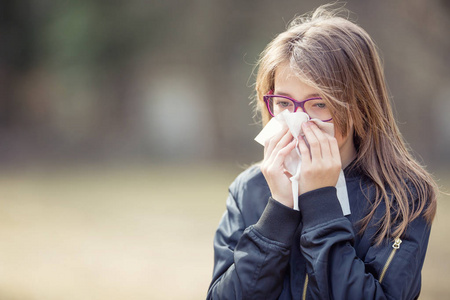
(249, 263)
(334, 269)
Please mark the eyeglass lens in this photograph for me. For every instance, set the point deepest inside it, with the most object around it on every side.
(315, 108)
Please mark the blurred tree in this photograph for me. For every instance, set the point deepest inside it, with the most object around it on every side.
(17, 53)
(83, 78)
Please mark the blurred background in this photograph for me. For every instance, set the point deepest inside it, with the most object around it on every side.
(122, 123)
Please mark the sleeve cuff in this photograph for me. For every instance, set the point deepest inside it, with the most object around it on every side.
(278, 222)
(319, 206)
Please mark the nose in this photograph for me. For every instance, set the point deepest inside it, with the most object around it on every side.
(302, 109)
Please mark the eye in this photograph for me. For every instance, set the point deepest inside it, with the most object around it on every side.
(283, 103)
(318, 104)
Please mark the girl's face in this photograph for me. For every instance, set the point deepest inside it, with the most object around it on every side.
(288, 84)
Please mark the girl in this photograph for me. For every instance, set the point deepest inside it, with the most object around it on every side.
(328, 67)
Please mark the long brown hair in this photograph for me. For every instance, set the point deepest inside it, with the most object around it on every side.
(338, 58)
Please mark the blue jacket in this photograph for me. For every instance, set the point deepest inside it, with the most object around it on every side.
(265, 250)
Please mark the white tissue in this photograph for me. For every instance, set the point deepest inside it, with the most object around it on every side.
(292, 162)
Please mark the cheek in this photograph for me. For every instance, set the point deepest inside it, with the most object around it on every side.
(343, 140)
(340, 139)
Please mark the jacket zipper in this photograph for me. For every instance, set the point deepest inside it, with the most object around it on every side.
(395, 247)
(305, 287)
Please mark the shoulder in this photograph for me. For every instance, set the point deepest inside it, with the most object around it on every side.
(250, 193)
(252, 176)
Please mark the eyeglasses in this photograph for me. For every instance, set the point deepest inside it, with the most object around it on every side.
(315, 107)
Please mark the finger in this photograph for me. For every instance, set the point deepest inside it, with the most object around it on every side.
(285, 139)
(324, 141)
(314, 144)
(326, 127)
(283, 142)
(280, 156)
(304, 151)
(284, 151)
(273, 141)
(334, 147)
(275, 163)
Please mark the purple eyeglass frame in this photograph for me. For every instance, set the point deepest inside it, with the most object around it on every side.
(297, 104)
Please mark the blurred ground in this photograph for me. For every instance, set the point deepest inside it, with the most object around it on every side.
(132, 232)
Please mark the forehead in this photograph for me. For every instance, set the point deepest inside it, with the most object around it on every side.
(288, 82)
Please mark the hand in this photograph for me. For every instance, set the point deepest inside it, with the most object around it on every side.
(321, 163)
(275, 151)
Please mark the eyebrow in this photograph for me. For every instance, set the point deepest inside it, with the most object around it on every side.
(288, 95)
